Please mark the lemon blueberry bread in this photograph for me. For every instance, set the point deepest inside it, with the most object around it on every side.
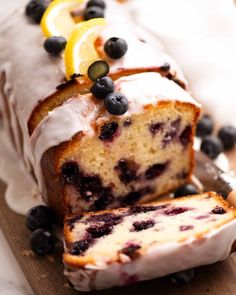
(106, 160)
(29, 75)
(123, 246)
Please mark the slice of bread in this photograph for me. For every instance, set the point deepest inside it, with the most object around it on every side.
(123, 246)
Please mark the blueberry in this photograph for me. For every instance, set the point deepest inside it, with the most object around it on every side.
(142, 225)
(115, 47)
(41, 241)
(100, 231)
(182, 277)
(35, 9)
(227, 135)
(116, 103)
(80, 247)
(39, 217)
(211, 146)
(218, 210)
(186, 190)
(93, 12)
(205, 126)
(70, 172)
(108, 131)
(99, 3)
(98, 69)
(102, 87)
(55, 45)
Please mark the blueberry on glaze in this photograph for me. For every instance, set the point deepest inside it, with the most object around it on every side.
(99, 3)
(93, 12)
(127, 170)
(227, 135)
(182, 277)
(211, 146)
(115, 47)
(218, 210)
(186, 190)
(116, 103)
(131, 251)
(186, 135)
(205, 126)
(55, 45)
(98, 69)
(100, 231)
(108, 131)
(78, 248)
(70, 172)
(142, 225)
(41, 241)
(39, 217)
(155, 170)
(102, 87)
(35, 9)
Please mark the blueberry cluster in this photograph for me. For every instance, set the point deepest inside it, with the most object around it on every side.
(40, 220)
(103, 88)
(94, 9)
(213, 145)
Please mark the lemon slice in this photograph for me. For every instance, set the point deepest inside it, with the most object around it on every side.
(57, 19)
(80, 52)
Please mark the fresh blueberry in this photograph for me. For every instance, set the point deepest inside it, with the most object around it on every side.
(227, 135)
(99, 3)
(182, 277)
(211, 146)
(35, 9)
(102, 87)
(116, 103)
(93, 12)
(55, 45)
(205, 126)
(70, 172)
(39, 217)
(98, 69)
(115, 47)
(41, 241)
(186, 190)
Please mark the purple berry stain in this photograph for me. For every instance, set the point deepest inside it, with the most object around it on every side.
(109, 131)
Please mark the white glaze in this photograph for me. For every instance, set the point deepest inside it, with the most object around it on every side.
(78, 114)
(22, 191)
(160, 260)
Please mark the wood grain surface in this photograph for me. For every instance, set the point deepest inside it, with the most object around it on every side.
(45, 274)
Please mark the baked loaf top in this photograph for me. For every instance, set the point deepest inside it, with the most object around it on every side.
(129, 245)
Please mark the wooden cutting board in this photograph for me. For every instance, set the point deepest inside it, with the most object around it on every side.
(45, 274)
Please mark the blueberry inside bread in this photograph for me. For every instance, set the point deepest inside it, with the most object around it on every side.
(142, 240)
(123, 160)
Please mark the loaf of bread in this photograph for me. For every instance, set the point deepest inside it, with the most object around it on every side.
(124, 246)
(110, 161)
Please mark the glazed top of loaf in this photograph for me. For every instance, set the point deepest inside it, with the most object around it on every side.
(31, 74)
(80, 113)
